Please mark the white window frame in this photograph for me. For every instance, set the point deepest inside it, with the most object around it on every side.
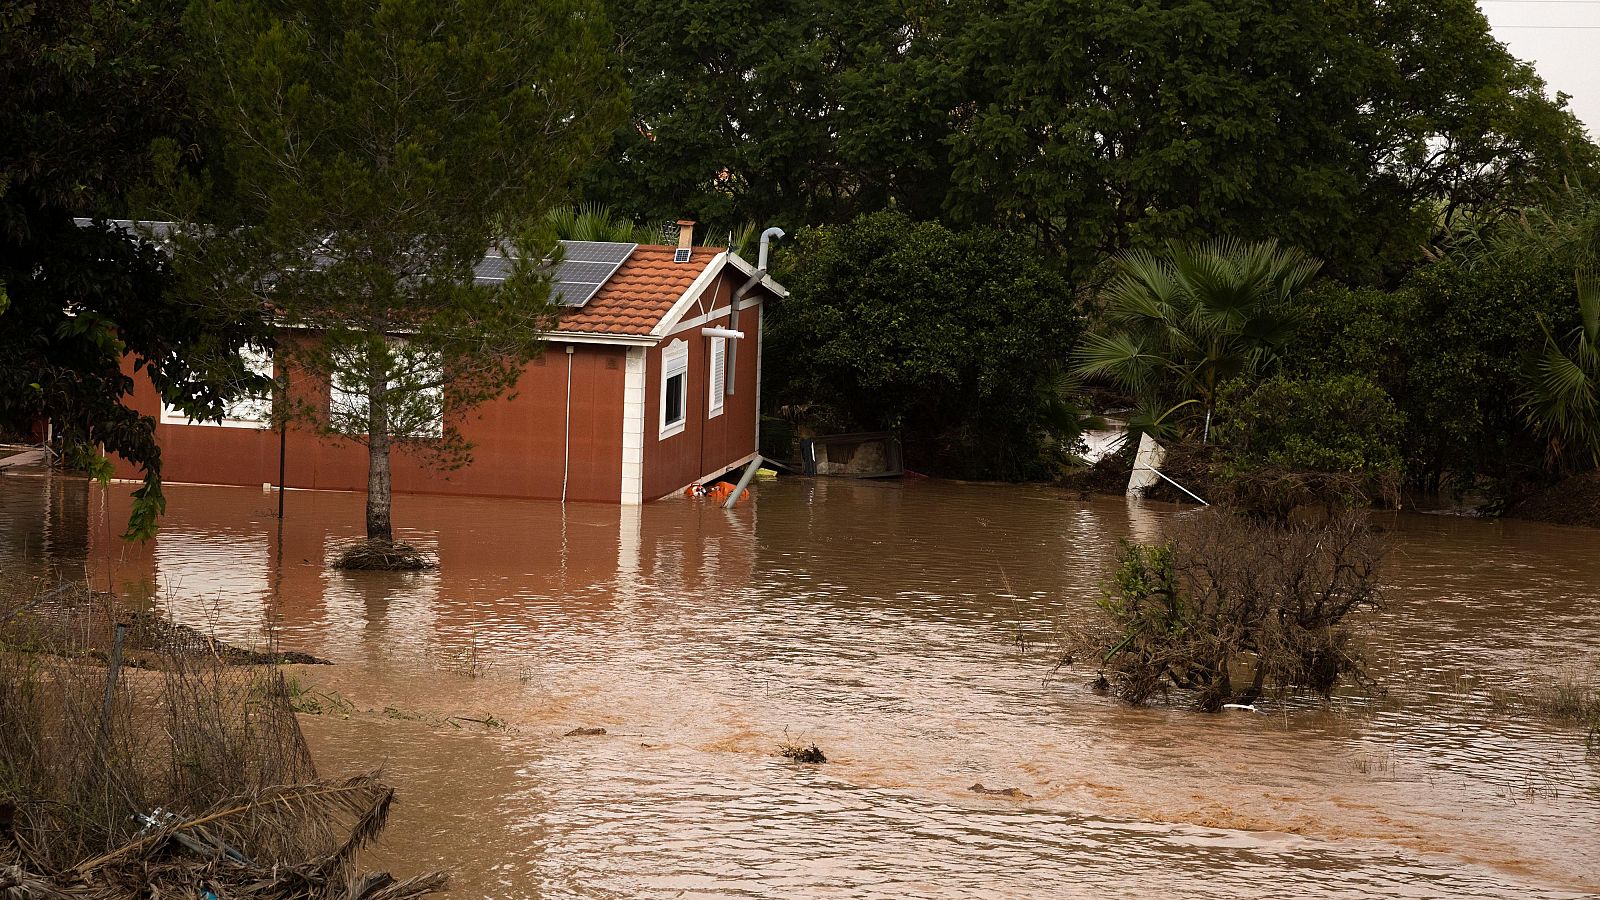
(352, 403)
(253, 411)
(716, 377)
(674, 362)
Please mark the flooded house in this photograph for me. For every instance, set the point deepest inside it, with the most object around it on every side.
(649, 383)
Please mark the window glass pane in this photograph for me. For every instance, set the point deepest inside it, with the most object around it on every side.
(675, 386)
(248, 411)
(416, 398)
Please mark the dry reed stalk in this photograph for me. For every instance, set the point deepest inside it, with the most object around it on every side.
(194, 777)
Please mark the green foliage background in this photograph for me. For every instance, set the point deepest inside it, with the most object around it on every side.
(951, 337)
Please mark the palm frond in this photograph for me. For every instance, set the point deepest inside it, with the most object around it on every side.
(1121, 357)
(1589, 305)
(1197, 315)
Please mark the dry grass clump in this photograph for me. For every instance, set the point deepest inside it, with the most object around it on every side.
(383, 556)
(117, 783)
(71, 620)
(1569, 699)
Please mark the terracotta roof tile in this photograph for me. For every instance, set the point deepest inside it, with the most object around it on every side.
(643, 290)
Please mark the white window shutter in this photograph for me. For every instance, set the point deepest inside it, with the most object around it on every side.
(718, 381)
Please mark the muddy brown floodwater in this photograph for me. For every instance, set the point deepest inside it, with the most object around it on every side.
(903, 628)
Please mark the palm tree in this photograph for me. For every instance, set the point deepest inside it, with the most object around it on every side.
(1562, 398)
(596, 222)
(1178, 326)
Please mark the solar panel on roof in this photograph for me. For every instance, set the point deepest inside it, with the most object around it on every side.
(584, 267)
(682, 254)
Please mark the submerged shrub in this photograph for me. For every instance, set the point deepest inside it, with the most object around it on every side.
(1231, 607)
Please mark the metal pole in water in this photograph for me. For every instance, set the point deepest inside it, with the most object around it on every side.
(113, 674)
(283, 450)
(744, 481)
(281, 395)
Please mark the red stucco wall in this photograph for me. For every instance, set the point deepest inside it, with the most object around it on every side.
(518, 440)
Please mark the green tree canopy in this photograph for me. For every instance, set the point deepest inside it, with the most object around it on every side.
(799, 112)
(87, 87)
(954, 338)
(1450, 346)
(1351, 128)
(1343, 127)
(374, 152)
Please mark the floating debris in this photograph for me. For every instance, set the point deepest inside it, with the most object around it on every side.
(383, 556)
(585, 732)
(1013, 793)
(802, 753)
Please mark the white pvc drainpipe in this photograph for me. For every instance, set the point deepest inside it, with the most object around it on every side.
(566, 437)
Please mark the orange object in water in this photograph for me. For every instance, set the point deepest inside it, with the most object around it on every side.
(717, 491)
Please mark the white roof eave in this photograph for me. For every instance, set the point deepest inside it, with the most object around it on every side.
(739, 263)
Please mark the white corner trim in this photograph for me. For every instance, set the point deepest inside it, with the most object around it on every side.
(715, 314)
(674, 361)
(707, 276)
(633, 404)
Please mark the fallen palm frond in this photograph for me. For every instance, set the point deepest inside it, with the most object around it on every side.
(298, 841)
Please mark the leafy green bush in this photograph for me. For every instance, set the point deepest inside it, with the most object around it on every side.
(955, 339)
(1288, 442)
(1448, 347)
(1341, 424)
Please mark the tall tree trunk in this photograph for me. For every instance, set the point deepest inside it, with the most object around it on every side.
(379, 526)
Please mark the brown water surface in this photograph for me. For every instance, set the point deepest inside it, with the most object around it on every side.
(905, 629)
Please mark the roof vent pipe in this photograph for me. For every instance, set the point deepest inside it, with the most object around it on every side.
(767, 237)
